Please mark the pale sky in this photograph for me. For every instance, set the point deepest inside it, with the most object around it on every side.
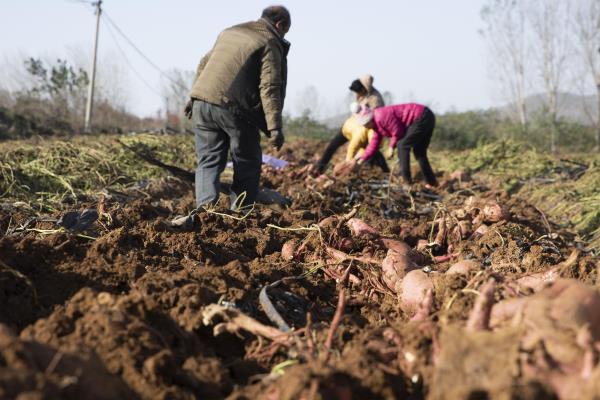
(427, 50)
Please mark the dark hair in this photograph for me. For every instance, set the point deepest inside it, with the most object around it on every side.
(357, 87)
(275, 14)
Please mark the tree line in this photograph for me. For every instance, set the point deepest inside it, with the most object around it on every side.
(549, 47)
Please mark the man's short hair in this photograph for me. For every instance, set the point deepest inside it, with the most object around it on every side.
(275, 14)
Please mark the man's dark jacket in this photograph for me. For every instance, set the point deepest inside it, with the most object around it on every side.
(246, 72)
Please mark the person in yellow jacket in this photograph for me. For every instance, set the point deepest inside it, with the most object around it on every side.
(357, 137)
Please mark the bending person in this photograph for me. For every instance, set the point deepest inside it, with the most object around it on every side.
(358, 137)
(366, 94)
(409, 126)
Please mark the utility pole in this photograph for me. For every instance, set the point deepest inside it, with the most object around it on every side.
(90, 98)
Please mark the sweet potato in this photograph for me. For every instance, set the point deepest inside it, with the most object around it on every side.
(488, 210)
(396, 245)
(460, 214)
(345, 244)
(328, 222)
(564, 318)
(414, 289)
(505, 310)
(494, 212)
(288, 251)
(479, 232)
(324, 181)
(424, 309)
(445, 258)
(361, 228)
(343, 168)
(395, 266)
(465, 228)
(339, 256)
(573, 305)
(539, 280)
(479, 319)
(440, 237)
(566, 304)
(422, 244)
(463, 267)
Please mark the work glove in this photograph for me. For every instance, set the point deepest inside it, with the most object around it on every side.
(188, 109)
(276, 138)
(389, 154)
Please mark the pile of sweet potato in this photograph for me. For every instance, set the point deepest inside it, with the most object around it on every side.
(468, 222)
(348, 246)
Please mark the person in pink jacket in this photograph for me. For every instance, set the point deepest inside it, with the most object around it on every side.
(409, 126)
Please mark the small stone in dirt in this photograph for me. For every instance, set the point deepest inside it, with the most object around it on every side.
(78, 221)
(183, 223)
(269, 196)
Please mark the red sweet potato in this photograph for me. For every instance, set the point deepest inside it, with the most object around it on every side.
(396, 245)
(288, 251)
(339, 256)
(463, 267)
(445, 258)
(440, 237)
(494, 212)
(566, 304)
(539, 280)
(345, 244)
(422, 244)
(328, 222)
(414, 289)
(343, 168)
(395, 266)
(424, 308)
(361, 228)
(479, 232)
(479, 318)
(505, 310)
(574, 305)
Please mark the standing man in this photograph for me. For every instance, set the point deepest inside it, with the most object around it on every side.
(239, 89)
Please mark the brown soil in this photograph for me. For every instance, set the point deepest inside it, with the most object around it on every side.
(121, 316)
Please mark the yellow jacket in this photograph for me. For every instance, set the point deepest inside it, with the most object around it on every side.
(357, 135)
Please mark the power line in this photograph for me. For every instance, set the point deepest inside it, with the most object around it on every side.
(141, 53)
(127, 61)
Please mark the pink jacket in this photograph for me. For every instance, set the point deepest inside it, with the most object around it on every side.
(391, 121)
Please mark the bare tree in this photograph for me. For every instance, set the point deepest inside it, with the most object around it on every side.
(549, 23)
(506, 33)
(587, 33)
(52, 89)
(112, 79)
(307, 102)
